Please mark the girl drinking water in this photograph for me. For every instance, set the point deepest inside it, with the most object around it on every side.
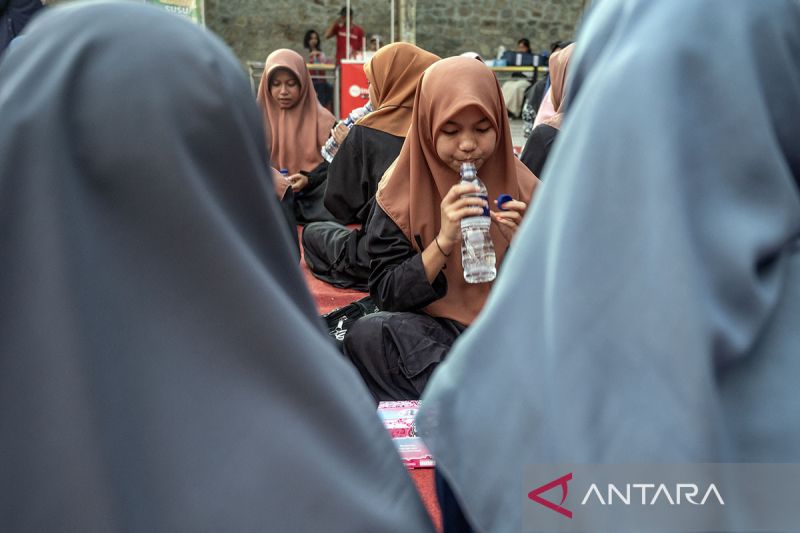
(413, 234)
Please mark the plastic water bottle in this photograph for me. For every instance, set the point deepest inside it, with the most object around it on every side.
(477, 250)
(285, 173)
(331, 146)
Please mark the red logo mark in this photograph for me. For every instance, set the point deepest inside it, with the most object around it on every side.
(562, 482)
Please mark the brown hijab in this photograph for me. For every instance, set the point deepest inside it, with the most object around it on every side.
(412, 189)
(393, 74)
(295, 134)
(559, 62)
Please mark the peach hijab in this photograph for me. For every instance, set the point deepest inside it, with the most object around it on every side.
(393, 74)
(412, 189)
(558, 64)
(295, 134)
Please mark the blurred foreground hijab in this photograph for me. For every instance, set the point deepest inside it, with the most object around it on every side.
(161, 368)
(649, 309)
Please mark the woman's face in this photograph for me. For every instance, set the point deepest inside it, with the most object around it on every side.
(313, 41)
(466, 137)
(284, 88)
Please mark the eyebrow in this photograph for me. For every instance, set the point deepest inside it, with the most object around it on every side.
(451, 123)
(455, 124)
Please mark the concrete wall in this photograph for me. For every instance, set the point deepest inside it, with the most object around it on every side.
(253, 28)
(450, 27)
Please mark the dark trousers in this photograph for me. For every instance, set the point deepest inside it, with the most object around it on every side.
(396, 353)
(336, 254)
(287, 209)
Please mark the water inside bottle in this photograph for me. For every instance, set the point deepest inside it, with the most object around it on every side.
(477, 252)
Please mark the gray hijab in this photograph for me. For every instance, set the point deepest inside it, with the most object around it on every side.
(162, 367)
(649, 310)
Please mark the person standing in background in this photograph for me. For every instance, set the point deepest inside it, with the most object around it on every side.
(14, 15)
(311, 42)
(339, 28)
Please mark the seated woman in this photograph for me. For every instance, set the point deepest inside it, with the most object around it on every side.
(334, 253)
(298, 126)
(538, 145)
(311, 42)
(535, 95)
(514, 89)
(413, 233)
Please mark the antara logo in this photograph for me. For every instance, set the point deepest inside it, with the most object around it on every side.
(681, 493)
(562, 482)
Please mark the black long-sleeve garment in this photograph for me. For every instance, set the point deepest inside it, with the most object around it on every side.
(397, 280)
(309, 202)
(354, 173)
(537, 148)
(334, 253)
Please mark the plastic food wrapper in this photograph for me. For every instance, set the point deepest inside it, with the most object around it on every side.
(398, 418)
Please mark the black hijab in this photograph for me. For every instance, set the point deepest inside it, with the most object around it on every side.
(162, 367)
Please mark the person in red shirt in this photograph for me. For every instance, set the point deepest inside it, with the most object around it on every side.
(339, 28)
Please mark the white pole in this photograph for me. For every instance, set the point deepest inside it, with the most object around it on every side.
(391, 17)
(348, 30)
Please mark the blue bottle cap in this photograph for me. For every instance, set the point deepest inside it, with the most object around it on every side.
(503, 198)
(284, 171)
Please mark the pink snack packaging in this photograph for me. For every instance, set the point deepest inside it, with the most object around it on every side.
(398, 418)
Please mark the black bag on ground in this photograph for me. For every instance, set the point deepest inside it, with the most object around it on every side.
(340, 320)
